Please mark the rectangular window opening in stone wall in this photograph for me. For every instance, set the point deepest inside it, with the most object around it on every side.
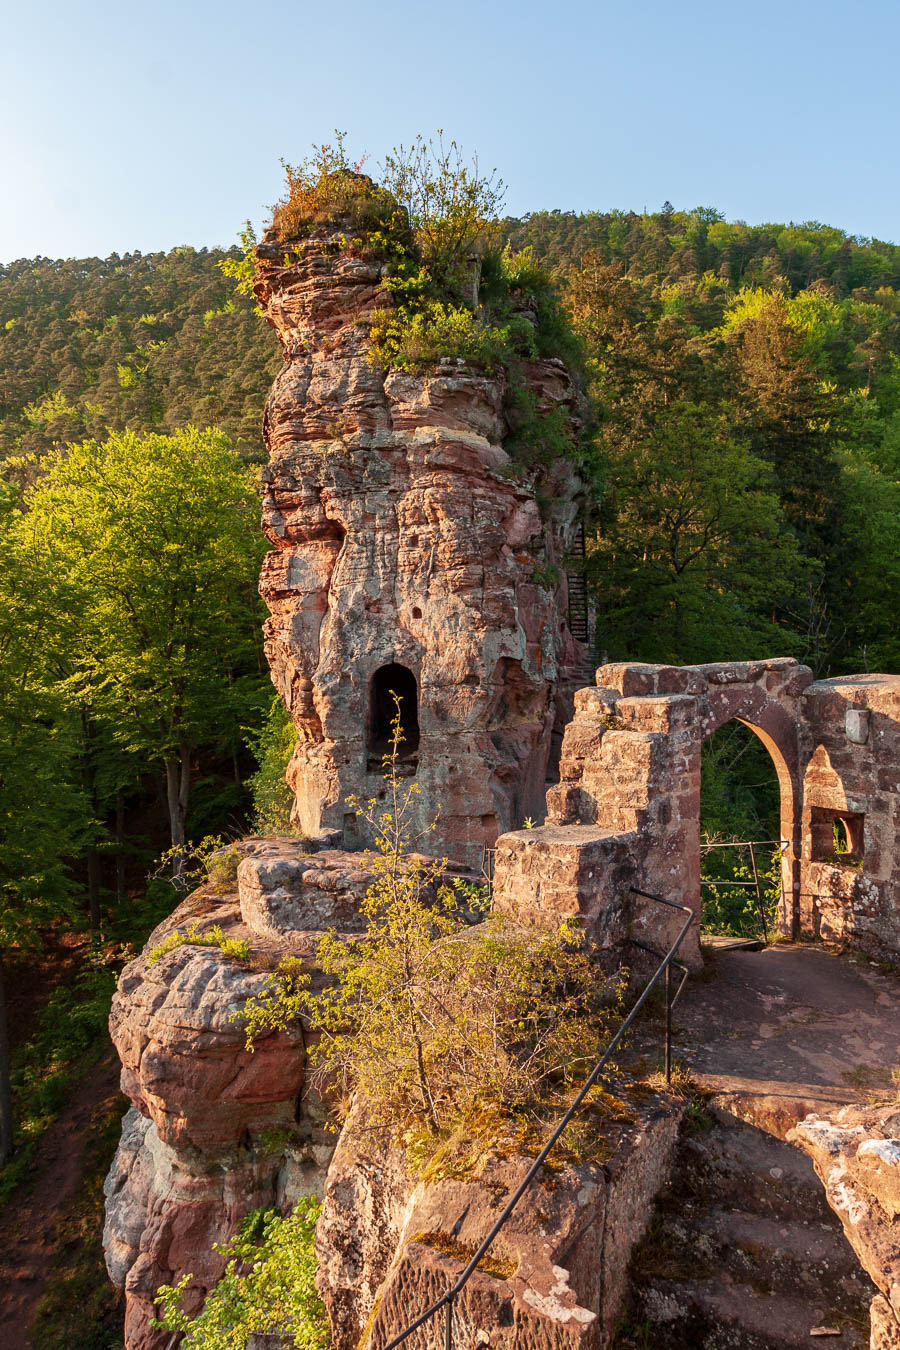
(837, 836)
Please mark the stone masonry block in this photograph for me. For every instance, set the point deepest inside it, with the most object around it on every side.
(590, 702)
(663, 713)
(563, 872)
(630, 680)
(568, 804)
(582, 741)
(856, 725)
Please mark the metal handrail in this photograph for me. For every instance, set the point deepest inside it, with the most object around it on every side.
(671, 999)
(487, 865)
(446, 1300)
(754, 885)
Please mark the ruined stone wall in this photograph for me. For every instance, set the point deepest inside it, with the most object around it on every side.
(626, 812)
(404, 536)
(850, 739)
(630, 770)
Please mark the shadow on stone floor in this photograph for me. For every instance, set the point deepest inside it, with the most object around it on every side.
(793, 1024)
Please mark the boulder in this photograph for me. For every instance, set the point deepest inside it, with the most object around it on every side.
(390, 1242)
(856, 1153)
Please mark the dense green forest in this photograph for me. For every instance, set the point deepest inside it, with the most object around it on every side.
(149, 342)
(673, 245)
(771, 351)
(746, 452)
(741, 462)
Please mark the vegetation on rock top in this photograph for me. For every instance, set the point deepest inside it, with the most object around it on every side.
(457, 293)
(427, 1020)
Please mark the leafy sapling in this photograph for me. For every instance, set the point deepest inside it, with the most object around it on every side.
(428, 1019)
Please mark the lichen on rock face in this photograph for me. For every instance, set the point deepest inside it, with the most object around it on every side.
(405, 539)
(856, 1153)
(217, 1131)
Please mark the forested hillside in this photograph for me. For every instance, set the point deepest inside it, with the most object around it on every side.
(741, 461)
(746, 438)
(671, 244)
(150, 342)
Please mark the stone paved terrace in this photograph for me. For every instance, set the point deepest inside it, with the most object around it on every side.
(789, 1029)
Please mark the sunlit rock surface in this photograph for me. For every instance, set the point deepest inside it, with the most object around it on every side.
(404, 536)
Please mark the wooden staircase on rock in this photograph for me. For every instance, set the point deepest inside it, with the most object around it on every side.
(579, 615)
(744, 1252)
(576, 580)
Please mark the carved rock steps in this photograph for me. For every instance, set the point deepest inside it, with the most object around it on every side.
(744, 1253)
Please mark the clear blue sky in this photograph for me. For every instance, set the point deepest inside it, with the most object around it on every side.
(129, 127)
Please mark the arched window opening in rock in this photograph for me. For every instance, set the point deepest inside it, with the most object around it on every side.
(387, 682)
(740, 830)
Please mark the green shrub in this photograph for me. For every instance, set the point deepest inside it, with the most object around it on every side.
(538, 438)
(268, 1286)
(241, 270)
(213, 937)
(417, 338)
(429, 1020)
(452, 207)
(273, 747)
(184, 866)
(327, 188)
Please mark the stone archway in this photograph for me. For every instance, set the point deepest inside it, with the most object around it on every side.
(769, 707)
(631, 765)
(782, 757)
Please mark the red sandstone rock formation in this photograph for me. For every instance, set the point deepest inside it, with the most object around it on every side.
(410, 554)
(216, 1131)
(555, 1278)
(857, 1156)
(404, 536)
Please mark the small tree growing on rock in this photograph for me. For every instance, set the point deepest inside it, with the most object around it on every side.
(268, 1287)
(453, 206)
(427, 1018)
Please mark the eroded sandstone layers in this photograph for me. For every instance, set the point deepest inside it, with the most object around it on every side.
(215, 1130)
(857, 1156)
(410, 554)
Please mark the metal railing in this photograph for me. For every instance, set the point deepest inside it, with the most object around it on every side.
(754, 885)
(667, 960)
(487, 866)
(671, 999)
